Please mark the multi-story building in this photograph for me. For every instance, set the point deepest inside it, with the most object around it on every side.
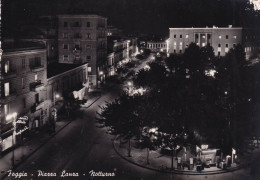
(23, 94)
(221, 39)
(81, 39)
(156, 46)
(120, 50)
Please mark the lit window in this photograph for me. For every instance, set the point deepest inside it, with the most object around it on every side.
(219, 37)
(89, 69)
(35, 77)
(174, 43)
(203, 44)
(180, 43)
(203, 36)
(7, 66)
(187, 36)
(6, 108)
(7, 89)
(234, 37)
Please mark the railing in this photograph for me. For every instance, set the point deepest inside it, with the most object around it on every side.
(35, 84)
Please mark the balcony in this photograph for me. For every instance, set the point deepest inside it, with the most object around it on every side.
(36, 86)
(9, 98)
(37, 68)
(10, 74)
(36, 106)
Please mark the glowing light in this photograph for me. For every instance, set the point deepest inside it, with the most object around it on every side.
(10, 117)
(210, 72)
(129, 83)
(57, 96)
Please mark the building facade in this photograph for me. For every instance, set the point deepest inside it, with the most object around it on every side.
(156, 46)
(120, 51)
(81, 39)
(221, 39)
(23, 94)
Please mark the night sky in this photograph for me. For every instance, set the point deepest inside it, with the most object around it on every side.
(134, 16)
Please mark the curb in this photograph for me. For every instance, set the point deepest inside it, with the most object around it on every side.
(36, 149)
(179, 172)
(92, 102)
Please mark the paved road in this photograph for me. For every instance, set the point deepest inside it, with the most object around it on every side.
(82, 147)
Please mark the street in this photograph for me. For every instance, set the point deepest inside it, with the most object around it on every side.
(83, 149)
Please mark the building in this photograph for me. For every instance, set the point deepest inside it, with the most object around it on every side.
(23, 94)
(81, 39)
(156, 46)
(221, 39)
(66, 81)
(120, 50)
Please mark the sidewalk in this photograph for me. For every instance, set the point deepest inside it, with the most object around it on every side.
(92, 98)
(162, 163)
(28, 148)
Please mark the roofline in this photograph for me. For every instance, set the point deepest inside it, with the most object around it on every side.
(80, 16)
(22, 51)
(209, 28)
(57, 75)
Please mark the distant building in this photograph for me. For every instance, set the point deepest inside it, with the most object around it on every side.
(81, 39)
(23, 94)
(221, 39)
(114, 31)
(156, 46)
(43, 30)
(120, 50)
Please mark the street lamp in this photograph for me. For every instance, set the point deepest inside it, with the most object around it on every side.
(56, 96)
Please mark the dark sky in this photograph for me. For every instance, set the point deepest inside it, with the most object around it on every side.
(134, 16)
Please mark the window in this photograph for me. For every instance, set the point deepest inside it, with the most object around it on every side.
(219, 45)
(6, 109)
(208, 36)
(7, 89)
(174, 43)
(35, 77)
(226, 36)
(181, 36)
(88, 46)
(89, 69)
(226, 45)
(219, 37)
(65, 46)
(65, 35)
(65, 57)
(234, 45)
(196, 36)
(203, 44)
(7, 66)
(203, 36)
(77, 24)
(174, 36)
(37, 61)
(180, 51)
(187, 36)
(88, 24)
(22, 80)
(65, 24)
(23, 63)
(37, 98)
(88, 35)
(219, 53)
(234, 37)
(77, 57)
(24, 103)
(174, 51)
(77, 47)
(88, 58)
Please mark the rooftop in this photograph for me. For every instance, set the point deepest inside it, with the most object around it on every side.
(59, 68)
(10, 45)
